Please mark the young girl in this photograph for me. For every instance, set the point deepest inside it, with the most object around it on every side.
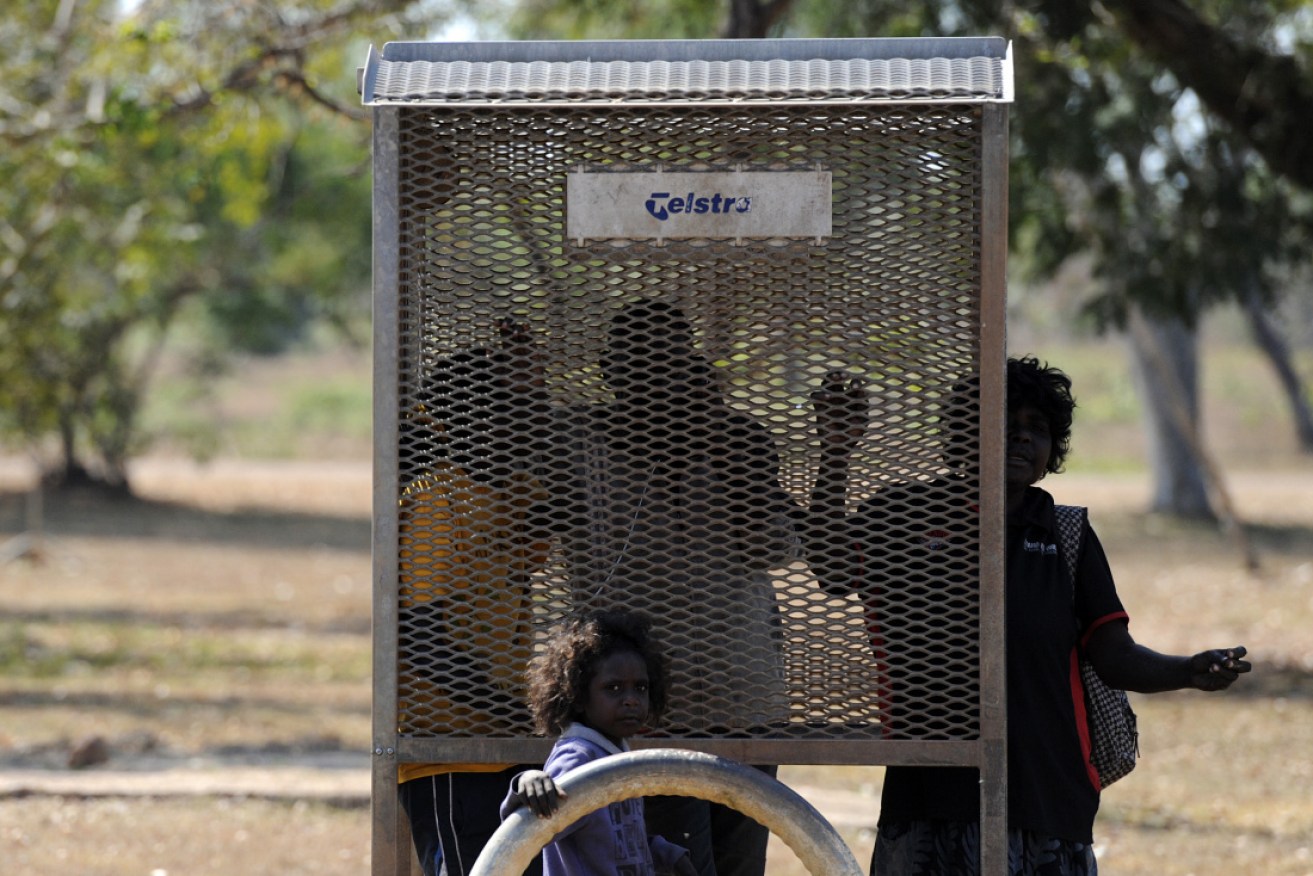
(600, 679)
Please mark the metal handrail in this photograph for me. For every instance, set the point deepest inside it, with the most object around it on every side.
(667, 771)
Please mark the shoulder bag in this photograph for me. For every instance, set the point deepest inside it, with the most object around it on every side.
(1114, 739)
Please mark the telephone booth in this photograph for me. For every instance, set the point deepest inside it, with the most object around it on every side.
(616, 285)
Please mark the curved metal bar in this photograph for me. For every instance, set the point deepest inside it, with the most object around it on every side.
(681, 773)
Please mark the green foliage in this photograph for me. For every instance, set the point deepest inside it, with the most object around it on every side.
(306, 257)
(325, 408)
(614, 19)
(184, 152)
(1111, 155)
(306, 404)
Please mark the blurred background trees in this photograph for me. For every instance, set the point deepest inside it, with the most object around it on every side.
(185, 172)
(198, 171)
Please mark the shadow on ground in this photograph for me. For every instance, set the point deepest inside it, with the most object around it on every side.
(92, 513)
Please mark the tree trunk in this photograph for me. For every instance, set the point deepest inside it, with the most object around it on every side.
(1167, 371)
(1269, 339)
(753, 19)
(71, 472)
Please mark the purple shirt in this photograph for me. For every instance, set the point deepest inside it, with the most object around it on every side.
(611, 841)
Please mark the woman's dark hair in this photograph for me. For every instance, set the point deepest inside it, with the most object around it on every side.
(560, 675)
(649, 342)
(1047, 390)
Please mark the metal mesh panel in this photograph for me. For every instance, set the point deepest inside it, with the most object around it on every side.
(630, 424)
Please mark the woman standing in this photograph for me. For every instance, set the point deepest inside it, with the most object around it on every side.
(929, 817)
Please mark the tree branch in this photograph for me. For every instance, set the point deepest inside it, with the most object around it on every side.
(1266, 98)
(295, 82)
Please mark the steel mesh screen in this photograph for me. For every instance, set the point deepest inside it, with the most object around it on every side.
(630, 424)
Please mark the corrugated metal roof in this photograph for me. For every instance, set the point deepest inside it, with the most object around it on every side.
(671, 71)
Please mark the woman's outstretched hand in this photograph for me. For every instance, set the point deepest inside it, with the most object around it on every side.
(1219, 668)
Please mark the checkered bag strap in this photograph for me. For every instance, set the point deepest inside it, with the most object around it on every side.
(1114, 739)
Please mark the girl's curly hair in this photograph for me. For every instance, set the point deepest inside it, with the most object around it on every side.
(1047, 390)
(560, 675)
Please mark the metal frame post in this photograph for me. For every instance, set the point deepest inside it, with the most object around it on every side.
(390, 830)
(993, 401)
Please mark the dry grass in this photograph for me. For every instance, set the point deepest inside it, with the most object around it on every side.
(230, 612)
(169, 837)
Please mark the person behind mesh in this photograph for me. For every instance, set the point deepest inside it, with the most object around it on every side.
(600, 679)
(909, 553)
(929, 817)
(465, 561)
(666, 501)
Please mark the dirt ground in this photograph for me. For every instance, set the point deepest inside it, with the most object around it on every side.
(206, 651)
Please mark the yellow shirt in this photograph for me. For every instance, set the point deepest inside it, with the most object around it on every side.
(467, 555)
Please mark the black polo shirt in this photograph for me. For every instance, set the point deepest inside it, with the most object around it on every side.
(1050, 788)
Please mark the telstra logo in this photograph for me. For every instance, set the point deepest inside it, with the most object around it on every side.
(662, 206)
